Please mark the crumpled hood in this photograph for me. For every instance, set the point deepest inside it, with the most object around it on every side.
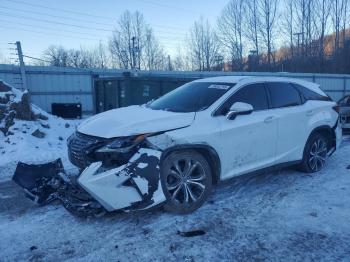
(133, 120)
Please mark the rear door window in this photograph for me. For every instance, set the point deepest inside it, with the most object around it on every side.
(283, 95)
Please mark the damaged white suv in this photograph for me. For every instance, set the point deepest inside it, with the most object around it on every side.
(174, 149)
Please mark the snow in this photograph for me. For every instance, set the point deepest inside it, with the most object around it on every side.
(142, 165)
(22, 146)
(278, 216)
(15, 94)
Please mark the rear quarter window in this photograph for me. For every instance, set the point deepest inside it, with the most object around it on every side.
(310, 95)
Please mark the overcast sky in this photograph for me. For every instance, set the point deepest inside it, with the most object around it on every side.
(74, 23)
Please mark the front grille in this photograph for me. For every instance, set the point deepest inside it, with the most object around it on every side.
(81, 147)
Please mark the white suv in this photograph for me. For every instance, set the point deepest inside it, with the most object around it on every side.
(175, 148)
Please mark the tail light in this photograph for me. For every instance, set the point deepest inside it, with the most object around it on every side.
(336, 108)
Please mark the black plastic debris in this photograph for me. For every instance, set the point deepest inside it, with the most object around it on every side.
(32, 248)
(348, 167)
(192, 233)
(37, 133)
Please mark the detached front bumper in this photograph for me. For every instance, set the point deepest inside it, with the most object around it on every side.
(133, 186)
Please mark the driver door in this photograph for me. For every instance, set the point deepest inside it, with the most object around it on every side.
(248, 142)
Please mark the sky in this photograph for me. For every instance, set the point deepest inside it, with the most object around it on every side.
(75, 23)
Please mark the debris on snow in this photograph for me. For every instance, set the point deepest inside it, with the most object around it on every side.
(44, 124)
(192, 233)
(32, 248)
(38, 134)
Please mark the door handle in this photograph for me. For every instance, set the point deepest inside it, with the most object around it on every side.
(310, 112)
(269, 119)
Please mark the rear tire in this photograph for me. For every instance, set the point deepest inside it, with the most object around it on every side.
(186, 180)
(315, 153)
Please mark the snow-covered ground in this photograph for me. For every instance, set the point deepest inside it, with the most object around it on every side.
(278, 216)
(275, 216)
(23, 146)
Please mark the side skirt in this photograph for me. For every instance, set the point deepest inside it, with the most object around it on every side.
(264, 170)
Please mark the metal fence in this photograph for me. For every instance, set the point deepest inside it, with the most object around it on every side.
(69, 85)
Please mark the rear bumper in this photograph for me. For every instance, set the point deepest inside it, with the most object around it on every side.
(338, 134)
(135, 185)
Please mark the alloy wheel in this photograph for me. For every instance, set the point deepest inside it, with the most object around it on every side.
(318, 154)
(185, 180)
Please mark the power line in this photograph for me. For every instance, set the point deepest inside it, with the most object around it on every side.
(43, 27)
(39, 59)
(53, 22)
(81, 13)
(56, 16)
(168, 6)
(60, 23)
(45, 33)
(60, 9)
(166, 45)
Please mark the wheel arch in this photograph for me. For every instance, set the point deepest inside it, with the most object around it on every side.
(326, 131)
(208, 152)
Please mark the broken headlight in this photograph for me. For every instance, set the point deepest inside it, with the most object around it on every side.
(123, 144)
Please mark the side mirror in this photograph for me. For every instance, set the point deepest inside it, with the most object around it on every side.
(239, 108)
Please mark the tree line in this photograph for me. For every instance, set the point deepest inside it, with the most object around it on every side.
(254, 35)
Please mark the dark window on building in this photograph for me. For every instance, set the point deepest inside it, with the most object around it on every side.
(283, 95)
(254, 94)
(311, 95)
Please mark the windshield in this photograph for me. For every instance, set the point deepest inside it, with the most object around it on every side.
(191, 97)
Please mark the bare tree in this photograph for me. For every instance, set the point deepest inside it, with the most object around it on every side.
(253, 22)
(322, 13)
(101, 57)
(288, 24)
(181, 61)
(154, 57)
(79, 58)
(230, 26)
(268, 13)
(345, 20)
(57, 55)
(124, 44)
(134, 44)
(304, 21)
(4, 59)
(203, 45)
(338, 17)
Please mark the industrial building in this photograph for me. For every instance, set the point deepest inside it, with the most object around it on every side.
(97, 90)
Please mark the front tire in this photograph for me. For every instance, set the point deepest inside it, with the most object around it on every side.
(315, 153)
(186, 180)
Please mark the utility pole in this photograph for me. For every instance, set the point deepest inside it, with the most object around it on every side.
(21, 65)
(298, 35)
(169, 64)
(135, 49)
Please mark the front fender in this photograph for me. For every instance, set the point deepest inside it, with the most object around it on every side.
(133, 186)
